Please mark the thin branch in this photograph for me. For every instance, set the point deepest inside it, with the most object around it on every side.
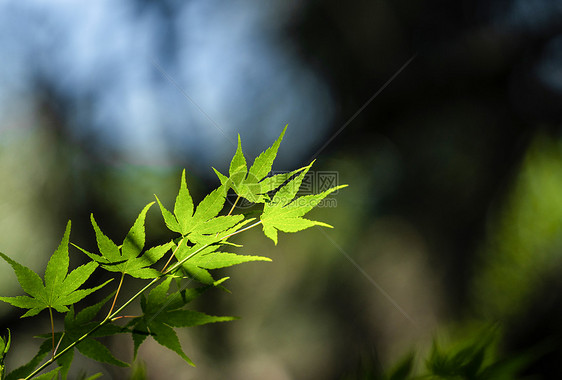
(179, 263)
(241, 230)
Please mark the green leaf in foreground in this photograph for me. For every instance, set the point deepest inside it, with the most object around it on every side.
(204, 220)
(252, 184)
(126, 259)
(163, 312)
(215, 260)
(51, 375)
(60, 288)
(285, 212)
(206, 257)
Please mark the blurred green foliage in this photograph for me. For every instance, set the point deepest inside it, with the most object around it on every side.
(468, 353)
(524, 245)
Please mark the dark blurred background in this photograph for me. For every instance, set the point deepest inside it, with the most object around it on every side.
(442, 116)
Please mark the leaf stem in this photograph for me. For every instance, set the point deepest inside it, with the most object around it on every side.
(125, 316)
(111, 316)
(233, 206)
(173, 254)
(52, 330)
(58, 344)
(116, 293)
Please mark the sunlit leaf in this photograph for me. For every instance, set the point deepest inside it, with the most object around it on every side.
(252, 184)
(126, 259)
(60, 288)
(285, 212)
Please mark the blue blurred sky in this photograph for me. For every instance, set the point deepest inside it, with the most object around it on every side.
(536, 16)
(125, 70)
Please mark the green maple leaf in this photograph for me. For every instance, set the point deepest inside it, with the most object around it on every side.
(252, 184)
(125, 259)
(51, 375)
(206, 257)
(59, 289)
(203, 222)
(285, 212)
(163, 312)
(219, 237)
